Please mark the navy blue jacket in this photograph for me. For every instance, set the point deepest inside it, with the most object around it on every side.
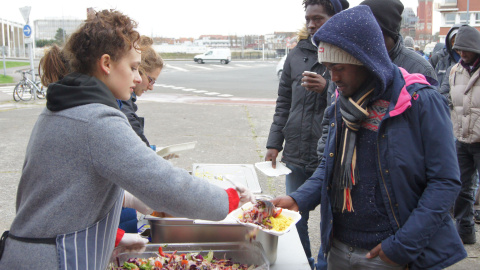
(419, 178)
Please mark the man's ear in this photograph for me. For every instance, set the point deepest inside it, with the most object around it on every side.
(105, 64)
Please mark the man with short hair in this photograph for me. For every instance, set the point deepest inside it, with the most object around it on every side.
(464, 80)
(302, 99)
(387, 180)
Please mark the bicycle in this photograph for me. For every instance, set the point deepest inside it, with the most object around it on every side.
(26, 88)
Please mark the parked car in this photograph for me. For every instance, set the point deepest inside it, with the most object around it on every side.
(280, 67)
(224, 56)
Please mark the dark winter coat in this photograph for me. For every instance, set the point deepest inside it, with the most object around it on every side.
(443, 59)
(129, 108)
(415, 148)
(299, 112)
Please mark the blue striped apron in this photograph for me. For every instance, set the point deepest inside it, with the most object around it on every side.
(92, 247)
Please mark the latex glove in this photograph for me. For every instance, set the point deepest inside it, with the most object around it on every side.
(131, 201)
(133, 241)
(244, 193)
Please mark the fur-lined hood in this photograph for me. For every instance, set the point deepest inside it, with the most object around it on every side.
(303, 33)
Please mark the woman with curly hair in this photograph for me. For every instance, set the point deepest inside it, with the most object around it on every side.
(77, 161)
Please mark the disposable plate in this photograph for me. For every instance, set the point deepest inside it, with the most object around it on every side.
(266, 168)
(175, 148)
(288, 213)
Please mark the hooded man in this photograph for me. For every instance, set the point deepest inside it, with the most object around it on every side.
(302, 99)
(445, 58)
(464, 80)
(388, 14)
(387, 180)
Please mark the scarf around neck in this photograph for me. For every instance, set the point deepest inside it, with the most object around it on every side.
(345, 174)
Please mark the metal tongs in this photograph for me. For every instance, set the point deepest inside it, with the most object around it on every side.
(269, 207)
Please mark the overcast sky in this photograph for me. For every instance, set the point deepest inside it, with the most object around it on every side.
(181, 18)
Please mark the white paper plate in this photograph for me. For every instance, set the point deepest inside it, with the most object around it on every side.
(266, 168)
(175, 148)
(288, 213)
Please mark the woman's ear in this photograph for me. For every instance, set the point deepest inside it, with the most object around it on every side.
(105, 64)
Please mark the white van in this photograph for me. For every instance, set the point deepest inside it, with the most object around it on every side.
(223, 56)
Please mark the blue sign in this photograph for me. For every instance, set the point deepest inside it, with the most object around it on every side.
(27, 30)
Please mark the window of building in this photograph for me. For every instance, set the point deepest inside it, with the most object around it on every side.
(450, 1)
(450, 18)
(477, 18)
(464, 17)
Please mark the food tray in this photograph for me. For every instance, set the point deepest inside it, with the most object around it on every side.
(239, 173)
(238, 251)
(184, 230)
(288, 213)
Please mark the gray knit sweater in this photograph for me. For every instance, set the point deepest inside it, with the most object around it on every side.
(77, 162)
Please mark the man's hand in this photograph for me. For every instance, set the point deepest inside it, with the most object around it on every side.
(377, 251)
(272, 156)
(313, 82)
(285, 202)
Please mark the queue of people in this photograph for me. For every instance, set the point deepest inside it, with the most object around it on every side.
(385, 185)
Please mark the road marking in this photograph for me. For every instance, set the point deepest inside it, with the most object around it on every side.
(221, 66)
(168, 86)
(212, 93)
(238, 65)
(200, 91)
(188, 89)
(225, 95)
(197, 66)
(178, 87)
(178, 68)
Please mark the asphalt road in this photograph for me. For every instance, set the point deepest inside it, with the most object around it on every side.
(227, 109)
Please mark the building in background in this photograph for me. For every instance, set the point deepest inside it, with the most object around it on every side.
(409, 22)
(47, 29)
(423, 29)
(457, 12)
(11, 39)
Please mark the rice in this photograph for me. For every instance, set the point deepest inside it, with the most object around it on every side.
(280, 223)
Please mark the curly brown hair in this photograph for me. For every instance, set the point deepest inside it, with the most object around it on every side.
(104, 32)
(151, 60)
(53, 66)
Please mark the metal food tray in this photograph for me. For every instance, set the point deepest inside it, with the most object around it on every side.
(184, 230)
(244, 174)
(237, 251)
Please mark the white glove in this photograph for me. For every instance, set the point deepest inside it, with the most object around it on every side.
(244, 193)
(133, 240)
(131, 201)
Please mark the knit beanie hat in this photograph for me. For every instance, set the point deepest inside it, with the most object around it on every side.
(388, 14)
(332, 54)
(339, 5)
(468, 39)
(356, 32)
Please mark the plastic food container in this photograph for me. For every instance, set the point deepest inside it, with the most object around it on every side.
(184, 230)
(237, 251)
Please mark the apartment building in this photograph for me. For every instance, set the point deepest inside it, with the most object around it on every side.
(457, 12)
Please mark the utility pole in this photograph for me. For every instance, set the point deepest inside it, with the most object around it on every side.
(27, 31)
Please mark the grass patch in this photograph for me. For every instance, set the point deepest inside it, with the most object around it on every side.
(6, 79)
(11, 64)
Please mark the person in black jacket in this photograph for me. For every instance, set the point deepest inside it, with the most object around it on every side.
(445, 58)
(150, 68)
(302, 99)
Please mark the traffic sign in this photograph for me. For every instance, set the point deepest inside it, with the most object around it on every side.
(28, 40)
(25, 13)
(27, 30)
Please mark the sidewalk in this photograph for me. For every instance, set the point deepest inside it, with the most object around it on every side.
(225, 133)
